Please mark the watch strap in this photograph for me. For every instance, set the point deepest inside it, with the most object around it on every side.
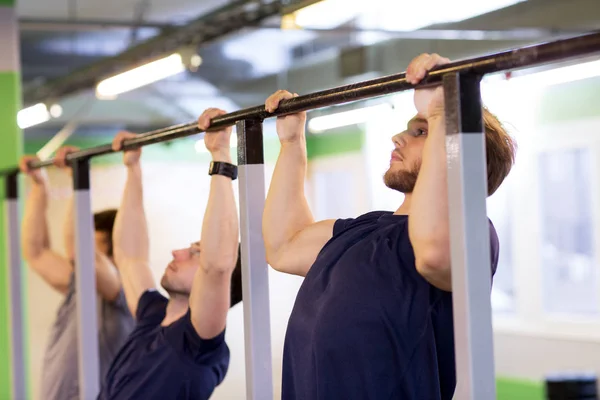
(223, 168)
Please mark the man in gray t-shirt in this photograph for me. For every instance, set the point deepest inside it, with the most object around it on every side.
(59, 372)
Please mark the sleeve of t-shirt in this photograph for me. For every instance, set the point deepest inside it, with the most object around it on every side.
(151, 307)
(340, 225)
(121, 301)
(494, 247)
(212, 353)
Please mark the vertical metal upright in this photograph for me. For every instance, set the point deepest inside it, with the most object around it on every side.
(16, 316)
(85, 281)
(255, 278)
(469, 238)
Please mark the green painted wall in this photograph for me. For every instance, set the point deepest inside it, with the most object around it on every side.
(569, 101)
(10, 150)
(517, 389)
(340, 141)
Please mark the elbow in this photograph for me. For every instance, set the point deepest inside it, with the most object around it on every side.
(432, 261)
(433, 264)
(273, 256)
(275, 247)
(270, 255)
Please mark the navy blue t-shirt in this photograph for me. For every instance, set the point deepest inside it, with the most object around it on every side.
(366, 325)
(165, 362)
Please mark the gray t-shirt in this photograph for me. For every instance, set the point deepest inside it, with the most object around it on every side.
(60, 368)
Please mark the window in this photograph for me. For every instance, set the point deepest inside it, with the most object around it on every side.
(567, 232)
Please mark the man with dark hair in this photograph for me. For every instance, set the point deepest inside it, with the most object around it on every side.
(59, 379)
(104, 222)
(177, 349)
(373, 317)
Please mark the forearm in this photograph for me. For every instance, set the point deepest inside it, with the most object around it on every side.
(286, 209)
(428, 222)
(34, 236)
(51, 267)
(131, 242)
(220, 229)
(130, 236)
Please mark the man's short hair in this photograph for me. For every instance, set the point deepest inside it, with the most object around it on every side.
(104, 221)
(500, 149)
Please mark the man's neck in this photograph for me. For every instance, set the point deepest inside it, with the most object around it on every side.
(404, 209)
(177, 307)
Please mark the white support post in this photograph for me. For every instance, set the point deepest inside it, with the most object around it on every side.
(17, 324)
(255, 277)
(85, 280)
(469, 238)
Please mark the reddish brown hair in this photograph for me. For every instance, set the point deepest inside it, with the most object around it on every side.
(500, 150)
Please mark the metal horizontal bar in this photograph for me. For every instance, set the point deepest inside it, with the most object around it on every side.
(508, 60)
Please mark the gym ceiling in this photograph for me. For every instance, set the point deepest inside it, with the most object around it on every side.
(247, 59)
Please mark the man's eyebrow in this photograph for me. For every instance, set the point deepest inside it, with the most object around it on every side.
(416, 120)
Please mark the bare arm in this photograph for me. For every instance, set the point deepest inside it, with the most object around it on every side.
(429, 220)
(69, 231)
(108, 284)
(210, 295)
(292, 238)
(130, 236)
(52, 267)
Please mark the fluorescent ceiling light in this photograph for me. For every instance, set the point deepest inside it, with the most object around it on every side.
(33, 115)
(141, 76)
(345, 118)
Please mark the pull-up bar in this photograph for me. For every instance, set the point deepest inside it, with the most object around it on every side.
(508, 60)
(467, 193)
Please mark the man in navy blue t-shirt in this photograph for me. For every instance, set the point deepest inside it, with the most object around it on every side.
(177, 349)
(373, 317)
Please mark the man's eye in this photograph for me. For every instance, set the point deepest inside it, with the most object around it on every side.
(420, 132)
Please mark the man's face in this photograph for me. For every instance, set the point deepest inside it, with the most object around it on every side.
(179, 274)
(405, 161)
(102, 242)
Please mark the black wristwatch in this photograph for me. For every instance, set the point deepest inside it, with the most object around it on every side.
(223, 168)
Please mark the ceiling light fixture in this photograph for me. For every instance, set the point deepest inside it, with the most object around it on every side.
(33, 115)
(140, 76)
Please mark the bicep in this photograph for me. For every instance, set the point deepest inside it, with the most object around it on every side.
(210, 301)
(136, 278)
(55, 269)
(442, 277)
(298, 255)
(108, 283)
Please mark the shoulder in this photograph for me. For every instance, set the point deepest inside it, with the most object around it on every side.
(151, 307)
(494, 246)
(213, 353)
(370, 217)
